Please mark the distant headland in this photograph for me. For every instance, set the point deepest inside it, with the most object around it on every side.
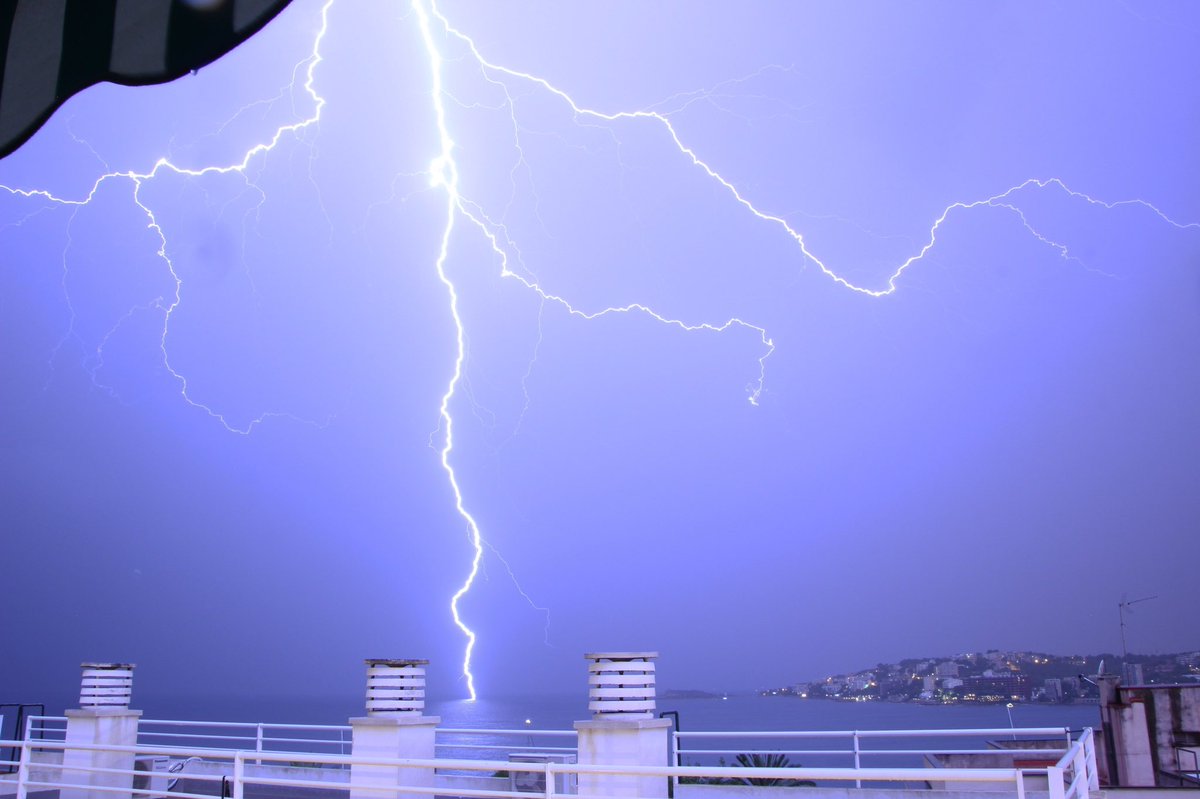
(995, 676)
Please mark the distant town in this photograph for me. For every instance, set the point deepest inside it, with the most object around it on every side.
(995, 676)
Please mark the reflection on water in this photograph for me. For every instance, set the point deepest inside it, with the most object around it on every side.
(543, 712)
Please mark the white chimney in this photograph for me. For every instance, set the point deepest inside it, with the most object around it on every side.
(106, 685)
(395, 687)
(621, 685)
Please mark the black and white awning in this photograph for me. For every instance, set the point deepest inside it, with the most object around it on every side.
(51, 49)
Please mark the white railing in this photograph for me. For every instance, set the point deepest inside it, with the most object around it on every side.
(334, 738)
(329, 738)
(852, 747)
(238, 761)
(41, 726)
(1072, 776)
(337, 737)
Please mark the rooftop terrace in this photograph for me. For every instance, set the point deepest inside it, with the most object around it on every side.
(106, 750)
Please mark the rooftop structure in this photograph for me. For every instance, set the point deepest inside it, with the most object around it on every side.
(1151, 734)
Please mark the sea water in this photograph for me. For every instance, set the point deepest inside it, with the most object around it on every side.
(773, 713)
(551, 712)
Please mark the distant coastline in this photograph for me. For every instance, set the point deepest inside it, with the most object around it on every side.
(690, 693)
(995, 677)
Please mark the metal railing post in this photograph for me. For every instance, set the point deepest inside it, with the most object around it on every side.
(1054, 779)
(1089, 751)
(258, 740)
(857, 758)
(23, 769)
(239, 774)
(548, 768)
(674, 754)
(673, 783)
(1020, 785)
(1079, 765)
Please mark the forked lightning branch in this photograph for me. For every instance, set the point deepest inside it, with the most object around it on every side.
(446, 45)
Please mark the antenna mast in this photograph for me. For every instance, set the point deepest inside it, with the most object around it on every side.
(1121, 606)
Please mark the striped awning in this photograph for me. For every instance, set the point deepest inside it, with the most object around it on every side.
(51, 49)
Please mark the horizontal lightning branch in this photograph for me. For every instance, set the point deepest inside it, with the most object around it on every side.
(1001, 199)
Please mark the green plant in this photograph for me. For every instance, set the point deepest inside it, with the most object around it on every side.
(766, 760)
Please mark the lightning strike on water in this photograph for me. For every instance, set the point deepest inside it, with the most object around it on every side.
(444, 176)
(444, 173)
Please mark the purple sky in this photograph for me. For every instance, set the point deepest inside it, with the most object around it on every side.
(224, 456)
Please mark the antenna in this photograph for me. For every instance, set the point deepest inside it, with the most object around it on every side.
(1122, 606)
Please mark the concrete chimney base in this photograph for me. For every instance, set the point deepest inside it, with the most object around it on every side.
(625, 742)
(402, 737)
(99, 727)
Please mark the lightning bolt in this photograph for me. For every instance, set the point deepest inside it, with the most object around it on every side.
(446, 176)
(459, 209)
